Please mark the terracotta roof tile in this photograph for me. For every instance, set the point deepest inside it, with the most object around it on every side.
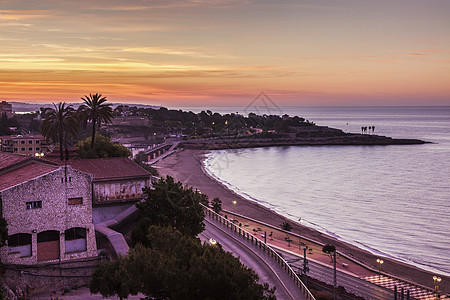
(109, 168)
(9, 159)
(24, 174)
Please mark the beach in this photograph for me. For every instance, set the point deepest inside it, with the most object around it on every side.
(186, 166)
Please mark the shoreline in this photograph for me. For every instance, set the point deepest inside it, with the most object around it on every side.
(187, 166)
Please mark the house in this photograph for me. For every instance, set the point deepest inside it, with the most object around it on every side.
(115, 179)
(48, 209)
(6, 110)
(24, 144)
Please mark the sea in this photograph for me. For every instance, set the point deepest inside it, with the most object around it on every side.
(391, 200)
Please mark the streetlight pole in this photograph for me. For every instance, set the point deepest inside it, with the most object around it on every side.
(335, 279)
(380, 263)
(436, 285)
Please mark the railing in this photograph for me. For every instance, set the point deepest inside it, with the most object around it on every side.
(262, 246)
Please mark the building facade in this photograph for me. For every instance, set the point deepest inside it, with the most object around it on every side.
(6, 109)
(48, 209)
(115, 179)
(24, 144)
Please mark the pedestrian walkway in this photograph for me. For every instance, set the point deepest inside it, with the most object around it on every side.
(390, 283)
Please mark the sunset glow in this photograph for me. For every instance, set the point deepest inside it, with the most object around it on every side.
(219, 52)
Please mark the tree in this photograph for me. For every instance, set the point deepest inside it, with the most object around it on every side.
(170, 204)
(216, 205)
(286, 226)
(103, 148)
(177, 266)
(60, 124)
(329, 249)
(95, 111)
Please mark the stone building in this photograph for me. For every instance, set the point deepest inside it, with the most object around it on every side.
(116, 179)
(48, 209)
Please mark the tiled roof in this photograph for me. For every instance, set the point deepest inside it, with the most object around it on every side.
(9, 159)
(24, 174)
(109, 168)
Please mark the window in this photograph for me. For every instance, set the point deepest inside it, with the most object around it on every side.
(30, 148)
(75, 239)
(75, 201)
(30, 142)
(22, 142)
(15, 149)
(38, 142)
(15, 142)
(34, 204)
(37, 149)
(22, 149)
(20, 243)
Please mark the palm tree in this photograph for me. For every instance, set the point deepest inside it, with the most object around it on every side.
(95, 111)
(60, 125)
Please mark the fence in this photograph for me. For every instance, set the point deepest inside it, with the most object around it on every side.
(262, 246)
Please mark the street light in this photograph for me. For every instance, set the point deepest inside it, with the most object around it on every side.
(380, 262)
(436, 285)
(212, 241)
(234, 201)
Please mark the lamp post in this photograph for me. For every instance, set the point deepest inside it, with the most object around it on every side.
(299, 238)
(380, 263)
(436, 285)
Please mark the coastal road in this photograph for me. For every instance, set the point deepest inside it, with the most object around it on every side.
(351, 283)
(267, 269)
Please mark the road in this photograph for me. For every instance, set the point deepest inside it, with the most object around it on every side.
(352, 284)
(267, 269)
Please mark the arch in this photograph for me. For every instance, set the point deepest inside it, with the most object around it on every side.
(20, 243)
(75, 239)
(48, 245)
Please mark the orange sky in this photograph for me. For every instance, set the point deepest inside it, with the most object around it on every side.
(219, 52)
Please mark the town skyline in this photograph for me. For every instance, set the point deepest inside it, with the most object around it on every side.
(212, 53)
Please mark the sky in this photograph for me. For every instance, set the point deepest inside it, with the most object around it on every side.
(226, 52)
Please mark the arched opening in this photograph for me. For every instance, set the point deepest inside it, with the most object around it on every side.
(75, 239)
(48, 245)
(20, 243)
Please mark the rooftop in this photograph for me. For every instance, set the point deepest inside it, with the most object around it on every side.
(109, 168)
(24, 174)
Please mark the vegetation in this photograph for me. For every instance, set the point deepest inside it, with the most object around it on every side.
(329, 249)
(6, 124)
(103, 148)
(170, 204)
(286, 226)
(95, 111)
(207, 123)
(177, 266)
(216, 205)
(60, 125)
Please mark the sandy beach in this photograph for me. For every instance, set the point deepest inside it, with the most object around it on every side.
(186, 166)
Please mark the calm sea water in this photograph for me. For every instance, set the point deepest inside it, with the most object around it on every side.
(391, 200)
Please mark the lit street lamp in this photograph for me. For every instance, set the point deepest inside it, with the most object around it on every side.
(212, 241)
(436, 285)
(234, 201)
(380, 263)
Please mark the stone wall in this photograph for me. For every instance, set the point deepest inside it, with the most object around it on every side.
(46, 279)
(54, 189)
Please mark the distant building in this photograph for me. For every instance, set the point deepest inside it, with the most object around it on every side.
(48, 209)
(6, 109)
(115, 179)
(24, 144)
